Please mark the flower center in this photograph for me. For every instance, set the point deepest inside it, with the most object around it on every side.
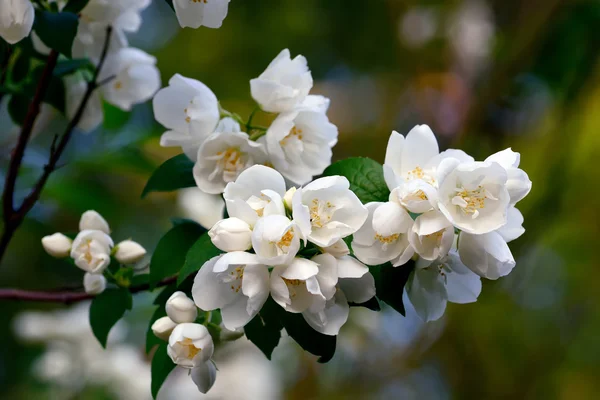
(321, 212)
(295, 133)
(230, 163)
(387, 240)
(292, 285)
(235, 278)
(418, 173)
(286, 241)
(258, 204)
(190, 350)
(471, 201)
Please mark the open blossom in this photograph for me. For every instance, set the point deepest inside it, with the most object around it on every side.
(197, 13)
(93, 114)
(237, 283)
(299, 143)
(122, 14)
(91, 251)
(283, 85)
(190, 345)
(276, 240)
(231, 234)
(180, 308)
(487, 255)
(94, 283)
(222, 157)
(57, 245)
(256, 193)
(16, 20)
(327, 210)
(92, 220)
(190, 110)
(384, 236)
(295, 287)
(473, 196)
(432, 235)
(517, 183)
(136, 78)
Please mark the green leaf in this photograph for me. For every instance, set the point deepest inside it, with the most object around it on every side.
(389, 283)
(173, 174)
(264, 330)
(141, 279)
(75, 6)
(365, 176)
(170, 3)
(310, 340)
(106, 309)
(162, 365)
(18, 106)
(200, 252)
(66, 67)
(169, 256)
(57, 30)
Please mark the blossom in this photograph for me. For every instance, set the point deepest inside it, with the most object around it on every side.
(94, 283)
(276, 240)
(204, 375)
(90, 40)
(283, 85)
(231, 234)
(129, 252)
(222, 157)
(91, 251)
(163, 327)
(190, 345)
(299, 143)
(517, 183)
(432, 284)
(237, 283)
(92, 220)
(514, 225)
(256, 193)
(136, 77)
(474, 197)
(190, 110)
(57, 245)
(122, 14)
(327, 210)
(93, 114)
(197, 13)
(16, 20)
(431, 235)
(487, 255)
(180, 308)
(384, 235)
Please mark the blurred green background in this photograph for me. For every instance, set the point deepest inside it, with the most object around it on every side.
(485, 75)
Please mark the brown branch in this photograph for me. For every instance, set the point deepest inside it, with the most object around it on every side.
(69, 297)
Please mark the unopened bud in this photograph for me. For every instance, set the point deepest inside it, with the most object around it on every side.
(57, 245)
(129, 252)
(91, 220)
(180, 308)
(94, 283)
(163, 327)
(231, 234)
(287, 198)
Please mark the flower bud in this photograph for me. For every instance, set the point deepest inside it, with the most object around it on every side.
(163, 327)
(94, 283)
(17, 20)
(231, 234)
(57, 245)
(180, 308)
(204, 376)
(287, 199)
(91, 220)
(129, 252)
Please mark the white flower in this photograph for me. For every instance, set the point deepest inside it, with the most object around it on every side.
(276, 240)
(163, 327)
(57, 245)
(16, 20)
(283, 85)
(315, 102)
(338, 249)
(514, 225)
(415, 195)
(129, 252)
(206, 209)
(91, 251)
(327, 210)
(237, 283)
(190, 345)
(91, 37)
(231, 234)
(180, 308)
(299, 143)
(92, 220)
(518, 183)
(487, 255)
(384, 235)
(473, 196)
(432, 235)
(255, 193)
(295, 287)
(197, 13)
(190, 110)
(204, 375)
(432, 284)
(93, 114)
(94, 283)
(136, 78)
(222, 157)
(122, 14)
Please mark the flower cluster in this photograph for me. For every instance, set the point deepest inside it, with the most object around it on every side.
(297, 143)
(464, 214)
(91, 250)
(189, 344)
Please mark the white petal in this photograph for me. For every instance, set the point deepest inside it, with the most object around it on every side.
(332, 318)
(487, 255)
(427, 293)
(420, 146)
(462, 285)
(204, 376)
(328, 274)
(506, 158)
(514, 225)
(349, 267)
(358, 290)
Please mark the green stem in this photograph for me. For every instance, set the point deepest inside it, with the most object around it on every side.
(251, 117)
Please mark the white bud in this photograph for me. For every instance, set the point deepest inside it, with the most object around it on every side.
(287, 199)
(129, 252)
(204, 376)
(57, 245)
(181, 309)
(231, 234)
(94, 283)
(91, 220)
(16, 19)
(163, 327)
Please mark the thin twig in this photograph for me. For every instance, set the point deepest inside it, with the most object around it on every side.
(68, 297)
